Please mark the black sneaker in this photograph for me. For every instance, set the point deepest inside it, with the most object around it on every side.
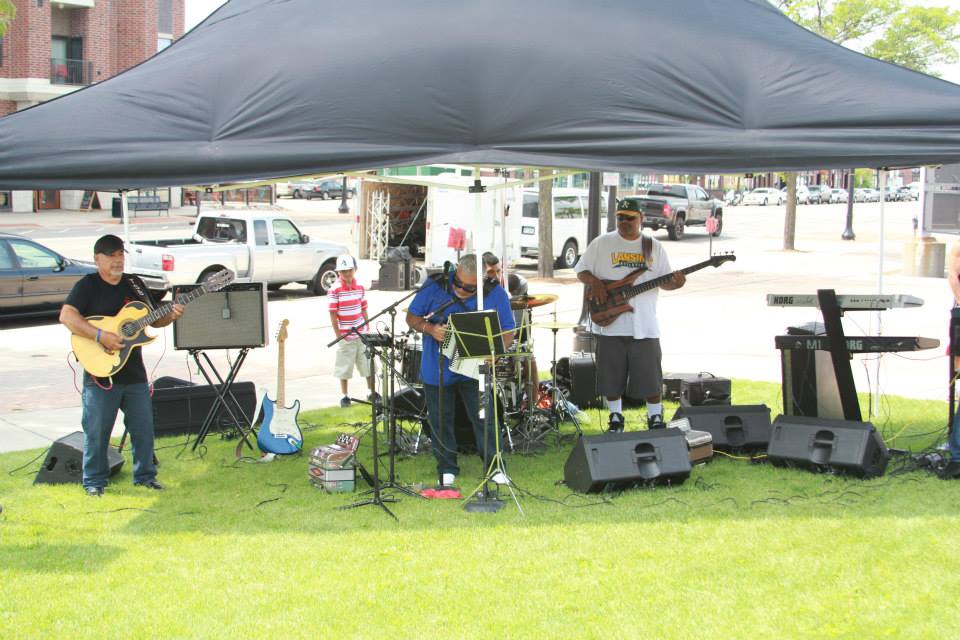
(950, 471)
(373, 396)
(344, 402)
(94, 492)
(615, 424)
(655, 422)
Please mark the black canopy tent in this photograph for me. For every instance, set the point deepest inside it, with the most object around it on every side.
(274, 88)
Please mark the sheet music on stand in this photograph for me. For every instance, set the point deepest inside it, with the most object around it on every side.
(467, 344)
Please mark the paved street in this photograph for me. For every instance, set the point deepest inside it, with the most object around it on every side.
(718, 323)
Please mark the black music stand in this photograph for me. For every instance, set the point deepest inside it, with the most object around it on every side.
(478, 335)
(222, 389)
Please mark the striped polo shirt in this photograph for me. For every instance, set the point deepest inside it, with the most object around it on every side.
(348, 302)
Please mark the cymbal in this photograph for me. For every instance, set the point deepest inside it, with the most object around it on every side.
(553, 325)
(532, 300)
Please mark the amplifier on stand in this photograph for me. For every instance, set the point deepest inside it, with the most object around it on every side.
(233, 318)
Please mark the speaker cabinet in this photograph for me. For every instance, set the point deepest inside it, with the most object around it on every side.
(744, 427)
(180, 406)
(64, 461)
(615, 461)
(819, 444)
(578, 375)
(394, 276)
(233, 318)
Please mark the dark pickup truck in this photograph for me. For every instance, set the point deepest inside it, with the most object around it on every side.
(677, 206)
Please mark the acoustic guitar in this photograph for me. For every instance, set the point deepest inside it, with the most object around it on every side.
(129, 324)
(280, 434)
(619, 292)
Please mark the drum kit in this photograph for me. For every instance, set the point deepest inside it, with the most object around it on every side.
(530, 411)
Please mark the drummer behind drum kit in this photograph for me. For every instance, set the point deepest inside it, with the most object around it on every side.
(530, 411)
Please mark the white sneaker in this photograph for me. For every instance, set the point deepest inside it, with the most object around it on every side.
(448, 480)
(500, 478)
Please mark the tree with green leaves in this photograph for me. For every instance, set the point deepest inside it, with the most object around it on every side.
(7, 12)
(919, 38)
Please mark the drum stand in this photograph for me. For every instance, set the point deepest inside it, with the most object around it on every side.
(558, 400)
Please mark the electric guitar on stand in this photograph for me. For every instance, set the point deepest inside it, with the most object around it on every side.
(129, 324)
(619, 292)
(280, 434)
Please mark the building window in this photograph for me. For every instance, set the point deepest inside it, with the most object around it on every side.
(163, 43)
(1, 52)
(165, 16)
(6, 201)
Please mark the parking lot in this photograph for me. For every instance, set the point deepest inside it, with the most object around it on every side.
(718, 323)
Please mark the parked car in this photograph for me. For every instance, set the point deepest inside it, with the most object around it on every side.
(818, 193)
(676, 206)
(283, 189)
(34, 279)
(764, 196)
(322, 189)
(803, 194)
(257, 247)
(910, 191)
(838, 195)
(891, 194)
(569, 224)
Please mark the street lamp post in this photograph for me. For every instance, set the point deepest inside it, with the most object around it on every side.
(848, 233)
(343, 197)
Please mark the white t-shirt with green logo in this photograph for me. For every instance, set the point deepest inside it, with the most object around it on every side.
(612, 257)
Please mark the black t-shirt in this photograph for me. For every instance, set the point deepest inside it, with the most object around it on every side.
(91, 296)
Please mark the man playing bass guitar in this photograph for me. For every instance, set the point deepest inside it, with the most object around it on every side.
(628, 346)
(105, 293)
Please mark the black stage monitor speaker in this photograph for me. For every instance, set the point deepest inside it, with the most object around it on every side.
(578, 375)
(64, 462)
(234, 317)
(744, 427)
(819, 444)
(180, 406)
(615, 461)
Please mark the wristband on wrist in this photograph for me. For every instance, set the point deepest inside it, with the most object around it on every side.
(98, 335)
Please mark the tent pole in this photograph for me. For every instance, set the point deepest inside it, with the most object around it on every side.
(124, 216)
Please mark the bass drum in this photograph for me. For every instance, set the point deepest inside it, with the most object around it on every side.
(410, 363)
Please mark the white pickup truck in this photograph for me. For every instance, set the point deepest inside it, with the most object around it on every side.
(257, 247)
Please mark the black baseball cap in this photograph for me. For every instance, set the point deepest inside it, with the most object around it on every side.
(108, 244)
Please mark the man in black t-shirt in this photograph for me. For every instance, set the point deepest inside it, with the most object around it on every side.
(104, 294)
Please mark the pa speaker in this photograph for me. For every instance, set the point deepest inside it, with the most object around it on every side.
(744, 427)
(842, 446)
(233, 318)
(64, 461)
(180, 406)
(615, 461)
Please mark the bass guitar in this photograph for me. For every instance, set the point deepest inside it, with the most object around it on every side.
(280, 434)
(129, 324)
(619, 292)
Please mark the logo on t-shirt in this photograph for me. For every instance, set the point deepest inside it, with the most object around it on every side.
(630, 260)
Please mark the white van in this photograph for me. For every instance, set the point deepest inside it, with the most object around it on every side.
(569, 224)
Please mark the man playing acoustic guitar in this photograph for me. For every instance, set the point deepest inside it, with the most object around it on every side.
(628, 347)
(104, 294)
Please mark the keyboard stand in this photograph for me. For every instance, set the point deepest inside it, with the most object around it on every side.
(839, 354)
(222, 389)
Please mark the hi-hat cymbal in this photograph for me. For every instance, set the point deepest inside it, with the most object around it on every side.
(532, 300)
(553, 325)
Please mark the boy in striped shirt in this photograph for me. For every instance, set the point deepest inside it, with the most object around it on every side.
(348, 309)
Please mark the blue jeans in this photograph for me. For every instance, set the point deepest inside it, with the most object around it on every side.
(100, 408)
(954, 441)
(442, 434)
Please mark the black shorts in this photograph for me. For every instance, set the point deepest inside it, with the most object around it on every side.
(630, 367)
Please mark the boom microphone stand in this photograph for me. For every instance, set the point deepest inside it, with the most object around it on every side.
(378, 498)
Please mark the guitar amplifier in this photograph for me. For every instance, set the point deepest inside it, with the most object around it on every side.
(180, 406)
(705, 389)
(233, 318)
(578, 376)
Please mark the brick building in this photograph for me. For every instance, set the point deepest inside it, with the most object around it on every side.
(53, 48)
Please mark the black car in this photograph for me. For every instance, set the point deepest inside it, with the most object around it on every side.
(34, 279)
(324, 190)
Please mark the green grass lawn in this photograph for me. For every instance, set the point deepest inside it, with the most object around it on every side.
(237, 549)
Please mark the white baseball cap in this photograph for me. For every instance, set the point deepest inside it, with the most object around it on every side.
(345, 262)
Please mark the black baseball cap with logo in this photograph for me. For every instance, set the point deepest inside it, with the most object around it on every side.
(108, 244)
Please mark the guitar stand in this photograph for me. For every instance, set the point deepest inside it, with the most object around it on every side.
(222, 389)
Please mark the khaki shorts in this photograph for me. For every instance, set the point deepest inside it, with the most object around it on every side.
(351, 353)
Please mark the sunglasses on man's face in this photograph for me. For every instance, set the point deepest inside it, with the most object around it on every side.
(621, 217)
(459, 284)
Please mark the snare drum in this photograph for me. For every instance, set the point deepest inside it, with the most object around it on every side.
(410, 363)
(505, 368)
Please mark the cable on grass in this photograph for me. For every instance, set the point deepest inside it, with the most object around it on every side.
(263, 502)
(124, 509)
(702, 484)
(42, 453)
(729, 455)
(562, 502)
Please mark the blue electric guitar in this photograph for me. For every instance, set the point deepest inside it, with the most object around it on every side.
(280, 434)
